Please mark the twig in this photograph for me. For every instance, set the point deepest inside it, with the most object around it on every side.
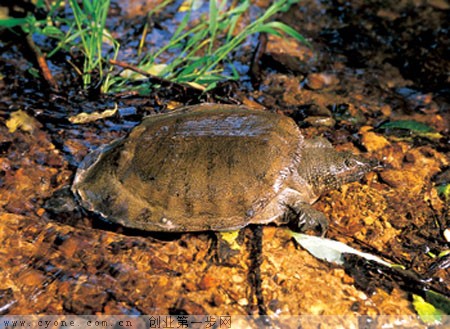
(46, 73)
(255, 71)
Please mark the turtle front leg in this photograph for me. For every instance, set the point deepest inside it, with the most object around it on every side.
(307, 218)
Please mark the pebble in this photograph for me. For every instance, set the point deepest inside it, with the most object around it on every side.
(447, 234)
(127, 111)
(243, 301)
(317, 81)
(238, 278)
(317, 121)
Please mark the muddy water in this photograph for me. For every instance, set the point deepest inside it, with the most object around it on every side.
(369, 65)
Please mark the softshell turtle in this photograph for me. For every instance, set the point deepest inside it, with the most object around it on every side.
(213, 167)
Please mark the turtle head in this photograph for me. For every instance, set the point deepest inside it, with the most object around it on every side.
(326, 169)
(348, 167)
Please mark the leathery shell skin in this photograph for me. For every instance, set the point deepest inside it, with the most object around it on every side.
(202, 167)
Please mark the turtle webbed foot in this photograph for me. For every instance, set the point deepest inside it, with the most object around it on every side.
(308, 218)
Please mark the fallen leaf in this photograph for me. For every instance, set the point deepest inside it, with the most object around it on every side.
(331, 250)
(415, 127)
(230, 238)
(190, 5)
(155, 70)
(94, 116)
(21, 120)
(427, 312)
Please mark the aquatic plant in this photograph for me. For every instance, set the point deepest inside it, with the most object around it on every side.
(86, 31)
(90, 29)
(205, 47)
(202, 49)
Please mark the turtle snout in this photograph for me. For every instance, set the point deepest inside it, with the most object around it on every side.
(362, 164)
(357, 166)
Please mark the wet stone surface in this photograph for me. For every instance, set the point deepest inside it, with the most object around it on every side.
(353, 80)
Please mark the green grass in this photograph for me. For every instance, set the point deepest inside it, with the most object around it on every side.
(205, 47)
(31, 24)
(201, 51)
(89, 34)
(86, 32)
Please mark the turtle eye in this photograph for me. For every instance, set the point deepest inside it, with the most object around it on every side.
(350, 163)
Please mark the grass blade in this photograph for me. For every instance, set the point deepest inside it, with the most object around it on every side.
(213, 13)
(288, 30)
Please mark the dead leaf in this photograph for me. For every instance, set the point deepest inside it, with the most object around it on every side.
(155, 70)
(21, 120)
(94, 116)
(190, 5)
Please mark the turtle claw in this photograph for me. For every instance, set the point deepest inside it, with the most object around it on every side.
(308, 218)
